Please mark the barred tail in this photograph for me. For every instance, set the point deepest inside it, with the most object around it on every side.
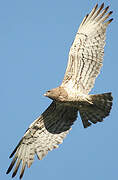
(98, 109)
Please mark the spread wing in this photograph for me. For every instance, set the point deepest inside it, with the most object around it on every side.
(86, 53)
(43, 135)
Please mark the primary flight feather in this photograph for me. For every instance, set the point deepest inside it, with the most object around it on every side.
(84, 64)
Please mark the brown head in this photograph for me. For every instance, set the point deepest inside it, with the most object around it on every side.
(58, 94)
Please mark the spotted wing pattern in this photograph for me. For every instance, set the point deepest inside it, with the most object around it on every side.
(43, 135)
(86, 54)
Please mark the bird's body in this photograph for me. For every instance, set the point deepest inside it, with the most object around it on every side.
(74, 99)
(72, 96)
(83, 103)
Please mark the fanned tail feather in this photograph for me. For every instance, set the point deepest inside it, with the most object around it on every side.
(97, 110)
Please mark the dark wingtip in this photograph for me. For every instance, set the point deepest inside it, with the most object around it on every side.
(110, 20)
(107, 8)
(87, 16)
(8, 171)
(11, 155)
(14, 173)
(15, 149)
(21, 175)
(110, 12)
(96, 5)
(11, 165)
(102, 5)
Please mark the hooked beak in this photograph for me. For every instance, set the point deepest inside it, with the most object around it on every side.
(45, 94)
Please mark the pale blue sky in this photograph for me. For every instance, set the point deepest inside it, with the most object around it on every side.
(35, 37)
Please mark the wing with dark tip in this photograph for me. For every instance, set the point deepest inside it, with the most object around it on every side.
(43, 135)
(86, 53)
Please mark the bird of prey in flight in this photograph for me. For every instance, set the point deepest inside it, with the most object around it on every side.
(72, 96)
